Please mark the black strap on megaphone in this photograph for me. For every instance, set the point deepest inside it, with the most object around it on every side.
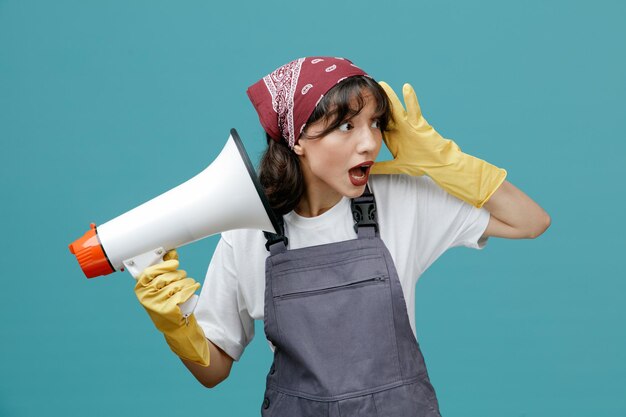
(273, 238)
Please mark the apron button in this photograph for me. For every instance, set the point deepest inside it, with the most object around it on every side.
(266, 403)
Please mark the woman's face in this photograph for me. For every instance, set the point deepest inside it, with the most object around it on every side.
(338, 163)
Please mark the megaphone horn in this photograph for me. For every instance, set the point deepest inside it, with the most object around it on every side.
(226, 195)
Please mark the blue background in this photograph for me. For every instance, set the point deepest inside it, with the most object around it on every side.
(104, 105)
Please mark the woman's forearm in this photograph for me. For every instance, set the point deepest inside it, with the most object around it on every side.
(516, 215)
(217, 371)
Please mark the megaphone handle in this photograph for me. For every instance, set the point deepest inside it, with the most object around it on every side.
(137, 264)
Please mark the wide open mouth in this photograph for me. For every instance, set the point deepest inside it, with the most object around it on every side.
(360, 172)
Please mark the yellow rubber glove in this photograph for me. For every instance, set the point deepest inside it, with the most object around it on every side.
(160, 288)
(418, 149)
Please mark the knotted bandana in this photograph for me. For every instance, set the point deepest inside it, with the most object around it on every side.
(286, 98)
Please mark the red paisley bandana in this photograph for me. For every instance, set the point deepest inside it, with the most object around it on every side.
(286, 98)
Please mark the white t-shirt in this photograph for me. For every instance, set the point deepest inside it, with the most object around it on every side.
(418, 222)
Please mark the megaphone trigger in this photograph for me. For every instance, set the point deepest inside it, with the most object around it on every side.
(189, 306)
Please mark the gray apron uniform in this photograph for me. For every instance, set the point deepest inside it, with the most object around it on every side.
(337, 317)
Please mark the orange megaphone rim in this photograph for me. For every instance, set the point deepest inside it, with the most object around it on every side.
(90, 254)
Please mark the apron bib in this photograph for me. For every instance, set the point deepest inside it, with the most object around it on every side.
(337, 317)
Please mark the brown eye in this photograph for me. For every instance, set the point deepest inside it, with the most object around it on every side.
(345, 127)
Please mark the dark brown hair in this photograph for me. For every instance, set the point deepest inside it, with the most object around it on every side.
(279, 170)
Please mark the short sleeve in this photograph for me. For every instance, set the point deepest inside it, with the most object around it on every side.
(447, 222)
(221, 311)
(471, 235)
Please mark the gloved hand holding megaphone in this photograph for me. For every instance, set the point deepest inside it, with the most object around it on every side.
(227, 195)
(160, 289)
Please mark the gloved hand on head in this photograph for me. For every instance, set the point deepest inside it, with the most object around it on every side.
(418, 149)
(160, 289)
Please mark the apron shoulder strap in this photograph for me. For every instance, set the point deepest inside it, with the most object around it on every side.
(364, 214)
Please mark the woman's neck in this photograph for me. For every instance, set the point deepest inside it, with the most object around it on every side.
(313, 204)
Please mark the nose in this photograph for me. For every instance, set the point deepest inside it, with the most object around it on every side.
(369, 140)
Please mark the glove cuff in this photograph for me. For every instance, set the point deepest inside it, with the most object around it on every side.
(470, 179)
(189, 342)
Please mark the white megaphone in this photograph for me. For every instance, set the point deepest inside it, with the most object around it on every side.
(226, 195)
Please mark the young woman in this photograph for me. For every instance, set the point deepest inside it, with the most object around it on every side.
(336, 288)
